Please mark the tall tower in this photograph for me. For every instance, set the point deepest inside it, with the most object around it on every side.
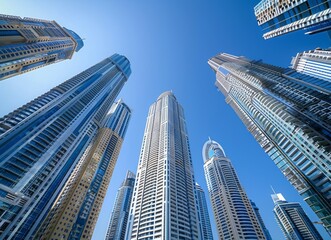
(28, 43)
(76, 210)
(288, 113)
(293, 220)
(261, 222)
(42, 141)
(234, 215)
(281, 17)
(316, 63)
(119, 216)
(205, 227)
(164, 204)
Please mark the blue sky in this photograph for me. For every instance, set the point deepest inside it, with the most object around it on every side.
(168, 44)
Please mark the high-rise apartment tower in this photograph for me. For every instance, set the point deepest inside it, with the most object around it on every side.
(261, 222)
(288, 113)
(164, 202)
(293, 221)
(42, 141)
(28, 43)
(233, 212)
(119, 216)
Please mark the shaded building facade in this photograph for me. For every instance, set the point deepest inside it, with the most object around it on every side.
(261, 222)
(233, 212)
(288, 113)
(119, 216)
(293, 221)
(28, 43)
(42, 141)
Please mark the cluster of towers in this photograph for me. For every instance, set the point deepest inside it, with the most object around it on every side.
(58, 151)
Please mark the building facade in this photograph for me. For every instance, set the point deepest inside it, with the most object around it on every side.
(316, 63)
(75, 212)
(293, 221)
(280, 17)
(27, 44)
(119, 216)
(205, 227)
(233, 213)
(261, 222)
(288, 113)
(164, 203)
(42, 141)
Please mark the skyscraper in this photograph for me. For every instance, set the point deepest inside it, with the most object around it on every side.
(316, 63)
(234, 215)
(288, 113)
(164, 203)
(76, 210)
(28, 43)
(42, 141)
(293, 220)
(261, 222)
(205, 227)
(281, 17)
(119, 216)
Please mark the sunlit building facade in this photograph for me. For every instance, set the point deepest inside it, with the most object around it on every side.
(233, 212)
(205, 227)
(164, 199)
(293, 221)
(75, 212)
(261, 222)
(42, 141)
(316, 63)
(28, 43)
(119, 216)
(280, 17)
(288, 113)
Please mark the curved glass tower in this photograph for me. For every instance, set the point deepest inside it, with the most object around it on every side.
(42, 141)
(234, 215)
(28, 43)
(164, 200)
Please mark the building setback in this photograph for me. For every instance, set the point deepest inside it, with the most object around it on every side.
(164, 202)
(42, 141)
(280, 17)
(233, 212)
(75, 212)
(316, 63)
(28, 43)
(205, 227)
(293, 221)
(119, 216)
(288, 113)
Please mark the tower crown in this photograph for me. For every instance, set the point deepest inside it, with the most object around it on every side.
(211, 149)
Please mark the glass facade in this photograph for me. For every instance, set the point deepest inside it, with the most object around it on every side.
(119, 216)
(261, 222)
(164, 199)
(42, 141)
(233, 213)
(281, 17)
(293, 221)
(288, 113)
(27, 44)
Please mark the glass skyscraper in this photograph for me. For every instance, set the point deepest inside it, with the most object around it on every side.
(164, 202)
(316, 63)
(28, 43)
(119, 216)
(206, 232)
(288, 113)
(281, 17)
(261, 222)
(293, 221)
(233, 212)
(76, 210)
(42, 141)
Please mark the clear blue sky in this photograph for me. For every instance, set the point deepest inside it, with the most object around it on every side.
(168, 44)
